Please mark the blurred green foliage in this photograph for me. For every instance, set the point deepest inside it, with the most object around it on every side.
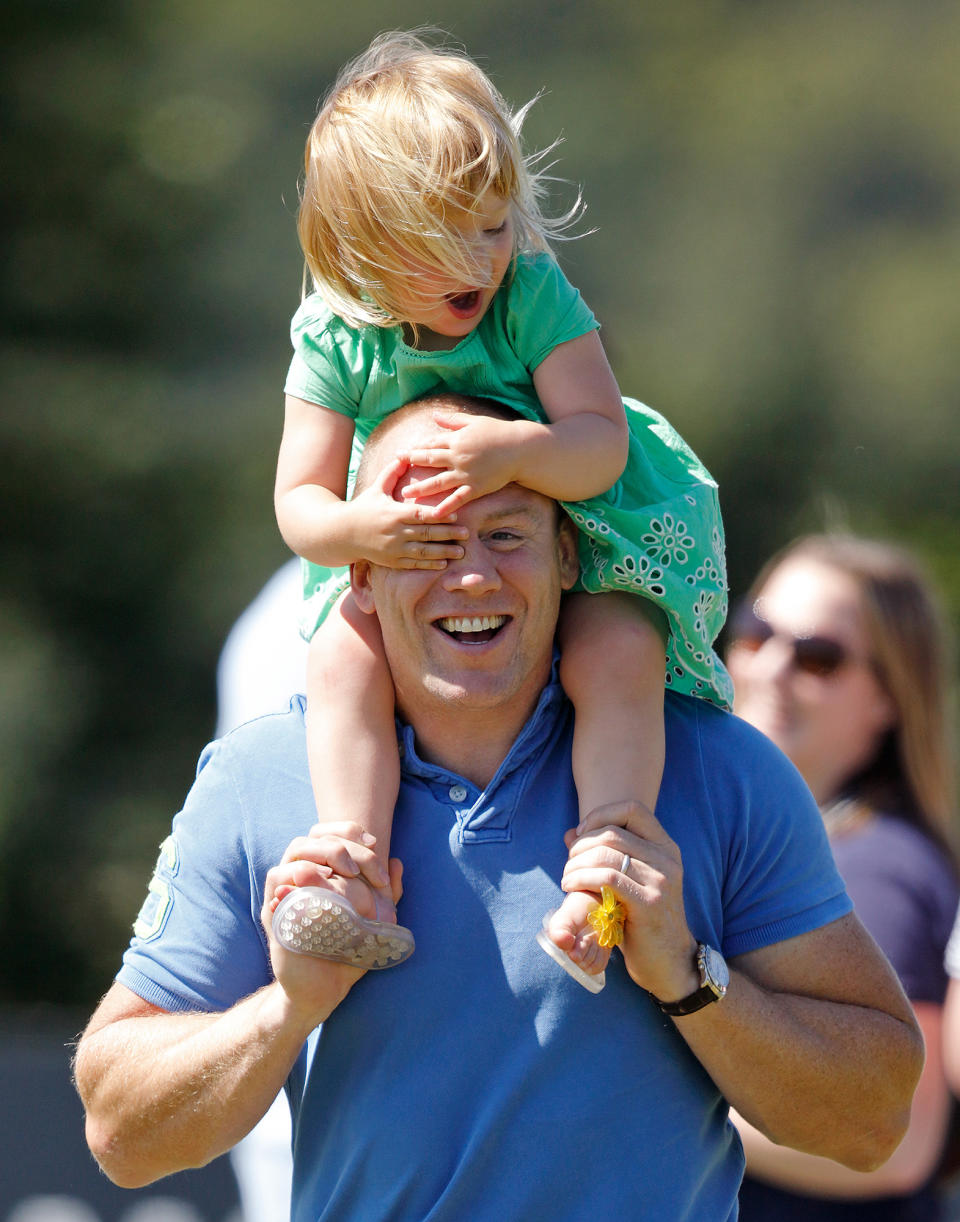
(775, 189)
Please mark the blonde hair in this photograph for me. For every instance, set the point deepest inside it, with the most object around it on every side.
(406, 144)
(911, 657)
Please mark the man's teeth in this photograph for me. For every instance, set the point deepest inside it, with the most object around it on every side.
(475, 623)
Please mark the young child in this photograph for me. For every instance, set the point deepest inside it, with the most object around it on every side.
(422, 230)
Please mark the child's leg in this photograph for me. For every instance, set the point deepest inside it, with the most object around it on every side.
(351, 739)
(612, 669)
(355, 771)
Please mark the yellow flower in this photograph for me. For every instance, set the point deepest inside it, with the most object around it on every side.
(607, 918)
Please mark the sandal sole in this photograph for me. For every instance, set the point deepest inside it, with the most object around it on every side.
(593, 984)
(317, 922)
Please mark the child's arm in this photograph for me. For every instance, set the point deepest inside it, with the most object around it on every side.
(580, 453)
(587, 438)
(319, 524)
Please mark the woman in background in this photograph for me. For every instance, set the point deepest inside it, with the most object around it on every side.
(838, 656)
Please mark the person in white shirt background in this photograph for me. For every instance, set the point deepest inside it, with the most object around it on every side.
(262, 665)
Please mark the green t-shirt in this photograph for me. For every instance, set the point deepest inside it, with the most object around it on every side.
(657, 532)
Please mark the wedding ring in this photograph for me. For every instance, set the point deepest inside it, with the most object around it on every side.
(625, 864)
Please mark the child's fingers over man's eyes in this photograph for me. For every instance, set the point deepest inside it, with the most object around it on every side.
(434, 532)
(458, 498)
(418, 555)
(440, 462)
(433, 484)
(430, 555)
(431, 566)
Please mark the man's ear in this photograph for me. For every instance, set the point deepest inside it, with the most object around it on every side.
(567, 552)
(361, 586)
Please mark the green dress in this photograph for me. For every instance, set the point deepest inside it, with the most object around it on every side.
(657, 532)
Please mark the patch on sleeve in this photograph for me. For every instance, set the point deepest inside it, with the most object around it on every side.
(156, 907)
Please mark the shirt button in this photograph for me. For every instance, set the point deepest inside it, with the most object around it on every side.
(457, 793)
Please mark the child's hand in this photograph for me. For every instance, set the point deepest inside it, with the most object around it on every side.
(401, 534)
(478, 454)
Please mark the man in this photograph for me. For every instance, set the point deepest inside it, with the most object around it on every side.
(477, 1080)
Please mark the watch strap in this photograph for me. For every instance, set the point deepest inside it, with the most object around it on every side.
(690, 1004)
(714, 978)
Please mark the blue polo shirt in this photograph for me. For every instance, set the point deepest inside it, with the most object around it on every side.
(477, 1080)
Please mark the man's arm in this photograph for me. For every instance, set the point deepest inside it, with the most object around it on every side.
(912, 1163)
(164, 1092)
(819, 1048)
(814, 1044)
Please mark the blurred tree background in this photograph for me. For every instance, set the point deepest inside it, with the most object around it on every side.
(775, 188)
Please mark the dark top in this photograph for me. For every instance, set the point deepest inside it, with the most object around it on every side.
(905, 891)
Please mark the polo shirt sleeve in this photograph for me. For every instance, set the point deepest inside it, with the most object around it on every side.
(780, 879)
(198, 943)
(543, 309)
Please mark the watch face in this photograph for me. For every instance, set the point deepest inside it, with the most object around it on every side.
(715, 970)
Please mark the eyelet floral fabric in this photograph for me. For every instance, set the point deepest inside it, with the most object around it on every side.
(658, 533)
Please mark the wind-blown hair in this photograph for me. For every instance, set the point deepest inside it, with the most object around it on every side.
(912, 772)
(407, 142)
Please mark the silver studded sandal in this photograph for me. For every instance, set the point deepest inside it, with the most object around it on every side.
(314, 921)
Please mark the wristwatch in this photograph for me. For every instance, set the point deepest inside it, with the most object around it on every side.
(714, 980)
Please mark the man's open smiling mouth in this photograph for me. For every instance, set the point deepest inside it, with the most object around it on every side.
(472, 629)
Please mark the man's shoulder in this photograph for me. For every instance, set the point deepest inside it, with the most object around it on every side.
(261, 744)
(725, 746)
(689, 716)
(253, 786)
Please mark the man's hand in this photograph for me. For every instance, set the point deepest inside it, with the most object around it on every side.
(340, 858)
(624, 847)
(400, 533)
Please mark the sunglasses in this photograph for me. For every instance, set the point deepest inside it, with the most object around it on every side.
(812, 655)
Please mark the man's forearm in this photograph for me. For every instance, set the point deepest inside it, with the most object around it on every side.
(164, 1092)
(912, 1163)
(829, 1078)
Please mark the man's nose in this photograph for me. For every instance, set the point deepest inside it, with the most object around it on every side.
(474, 573)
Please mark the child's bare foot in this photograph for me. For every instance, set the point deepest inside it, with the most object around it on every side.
(571, 931)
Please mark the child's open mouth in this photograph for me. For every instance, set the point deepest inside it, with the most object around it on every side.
(464, 304)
